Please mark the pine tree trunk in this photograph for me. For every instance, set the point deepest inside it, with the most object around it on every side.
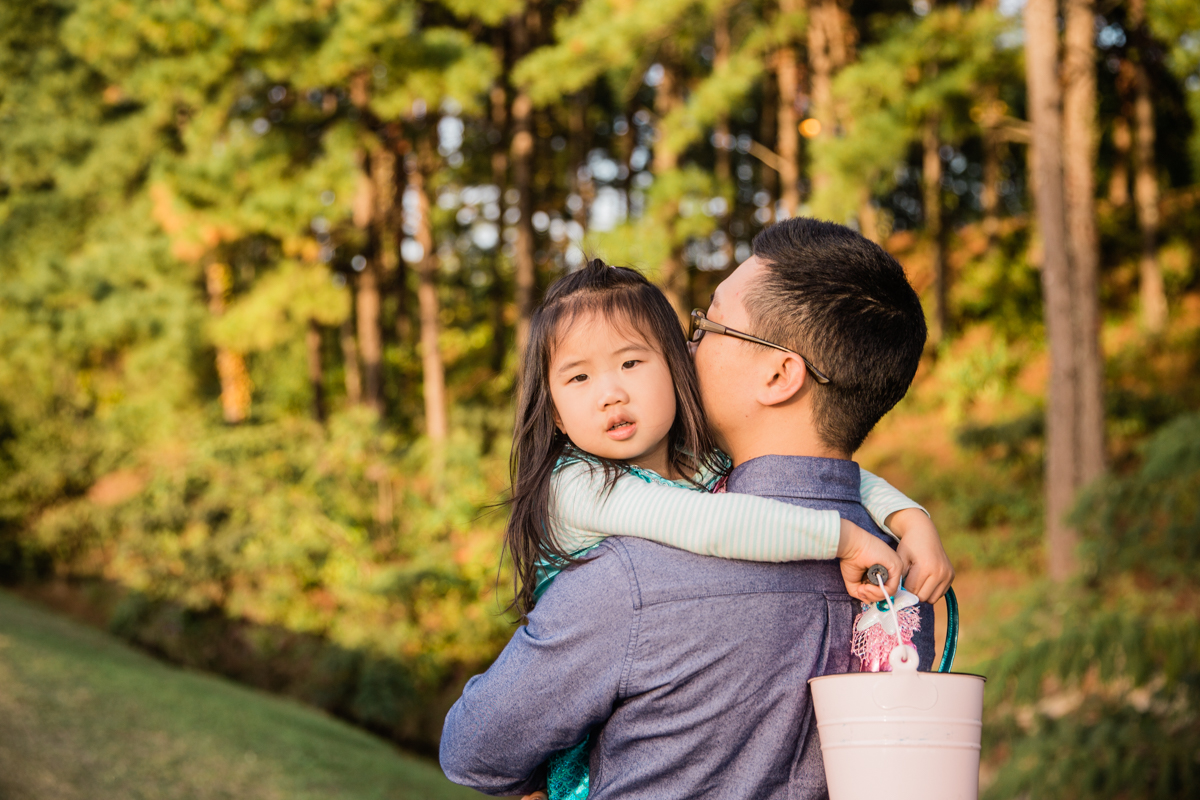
(350, 360)
(1145, 182)
(868, 217)
(403, 322)
(1118, 181)
(1079, 151)
(931, 176)
(673, 273)
(433, 371)
(787, 75)
(989, 198)
(497, 292)
(580, 181)
(499, 107)
(820, 65)
(769, 133)
(1042, 78)
(722, 168)
(366, 296)
(316, 373)
(231, 366)
(522, 167)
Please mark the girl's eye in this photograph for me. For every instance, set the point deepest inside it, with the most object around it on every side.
(578, 379)
(630, 364)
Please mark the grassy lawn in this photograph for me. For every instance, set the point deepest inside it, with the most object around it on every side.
(83, 716)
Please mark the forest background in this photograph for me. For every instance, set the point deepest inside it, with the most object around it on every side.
(265, 267)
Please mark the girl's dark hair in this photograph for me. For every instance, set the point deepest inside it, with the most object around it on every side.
(624, 297)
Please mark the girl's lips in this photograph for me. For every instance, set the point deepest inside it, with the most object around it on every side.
(622, 433)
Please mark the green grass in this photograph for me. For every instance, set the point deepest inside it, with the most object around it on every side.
(84, 716)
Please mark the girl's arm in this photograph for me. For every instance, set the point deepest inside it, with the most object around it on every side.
(881, 500)
(927, 569)
(738, 526)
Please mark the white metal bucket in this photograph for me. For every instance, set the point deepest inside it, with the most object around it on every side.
(903, 735)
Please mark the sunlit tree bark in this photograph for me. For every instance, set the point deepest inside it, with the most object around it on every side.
(769, 133)
(673, 274)
(316, 372)
(1118, 180)
(353, 378)
(366, 295)
(1079, 151)
(931, 180)
(432, 369)
(231, 365)
(1042, 77)
(522, 173)
(1145, 181)
(787, 75)
(825, 43)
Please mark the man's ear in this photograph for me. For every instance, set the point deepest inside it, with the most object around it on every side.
(787, 378)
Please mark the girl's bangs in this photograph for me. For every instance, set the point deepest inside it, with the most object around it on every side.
(621, 308)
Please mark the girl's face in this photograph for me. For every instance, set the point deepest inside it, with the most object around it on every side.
(613, 394)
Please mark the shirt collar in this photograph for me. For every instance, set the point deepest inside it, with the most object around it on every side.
(801, 477)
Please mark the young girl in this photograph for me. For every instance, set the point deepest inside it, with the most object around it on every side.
(611, 440)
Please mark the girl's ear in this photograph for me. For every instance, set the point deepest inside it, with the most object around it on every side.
(557, 419)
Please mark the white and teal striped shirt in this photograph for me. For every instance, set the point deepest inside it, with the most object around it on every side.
(643, 504)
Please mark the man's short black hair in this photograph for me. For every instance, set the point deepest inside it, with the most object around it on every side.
(845, 303)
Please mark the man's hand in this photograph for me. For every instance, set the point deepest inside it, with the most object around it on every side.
(539, 795)
(927, 570)
(859, 551)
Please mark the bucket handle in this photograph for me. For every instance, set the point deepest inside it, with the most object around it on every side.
(878, 573)
(951, 646)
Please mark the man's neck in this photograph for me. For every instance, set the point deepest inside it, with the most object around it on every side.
(807, 445)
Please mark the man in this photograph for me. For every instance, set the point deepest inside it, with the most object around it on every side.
(690, 672)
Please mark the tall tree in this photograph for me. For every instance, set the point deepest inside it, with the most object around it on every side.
(367, 294)
(931, 183)
(1045, 114)
(231, 365)
(1122, 140)
(316, 370)
(522, 172)
(1145, 181)
(432, 366)
(1079, 152)
(787, 77)
(827, 45)
(668, 97)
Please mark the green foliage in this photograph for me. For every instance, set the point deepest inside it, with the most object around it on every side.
(142, 142)
(601, 36)
(1177, 22)
(1098, 690)
(279, 307)
(936, 64)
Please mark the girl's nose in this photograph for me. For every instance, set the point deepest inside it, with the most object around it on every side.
(613, 394)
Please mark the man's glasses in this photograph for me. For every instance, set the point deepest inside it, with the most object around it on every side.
(702, 325)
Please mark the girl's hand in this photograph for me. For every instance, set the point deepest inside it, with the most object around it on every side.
(859, 551)
(927, 569)
(538, 795)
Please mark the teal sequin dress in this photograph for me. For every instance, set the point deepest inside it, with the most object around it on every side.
(567, 771)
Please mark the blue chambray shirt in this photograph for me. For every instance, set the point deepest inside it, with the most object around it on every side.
(691, 670)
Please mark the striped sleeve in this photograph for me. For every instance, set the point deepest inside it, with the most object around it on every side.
(881, 500)
(727, 525)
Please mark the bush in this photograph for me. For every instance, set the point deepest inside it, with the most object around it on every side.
(1098, 694)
